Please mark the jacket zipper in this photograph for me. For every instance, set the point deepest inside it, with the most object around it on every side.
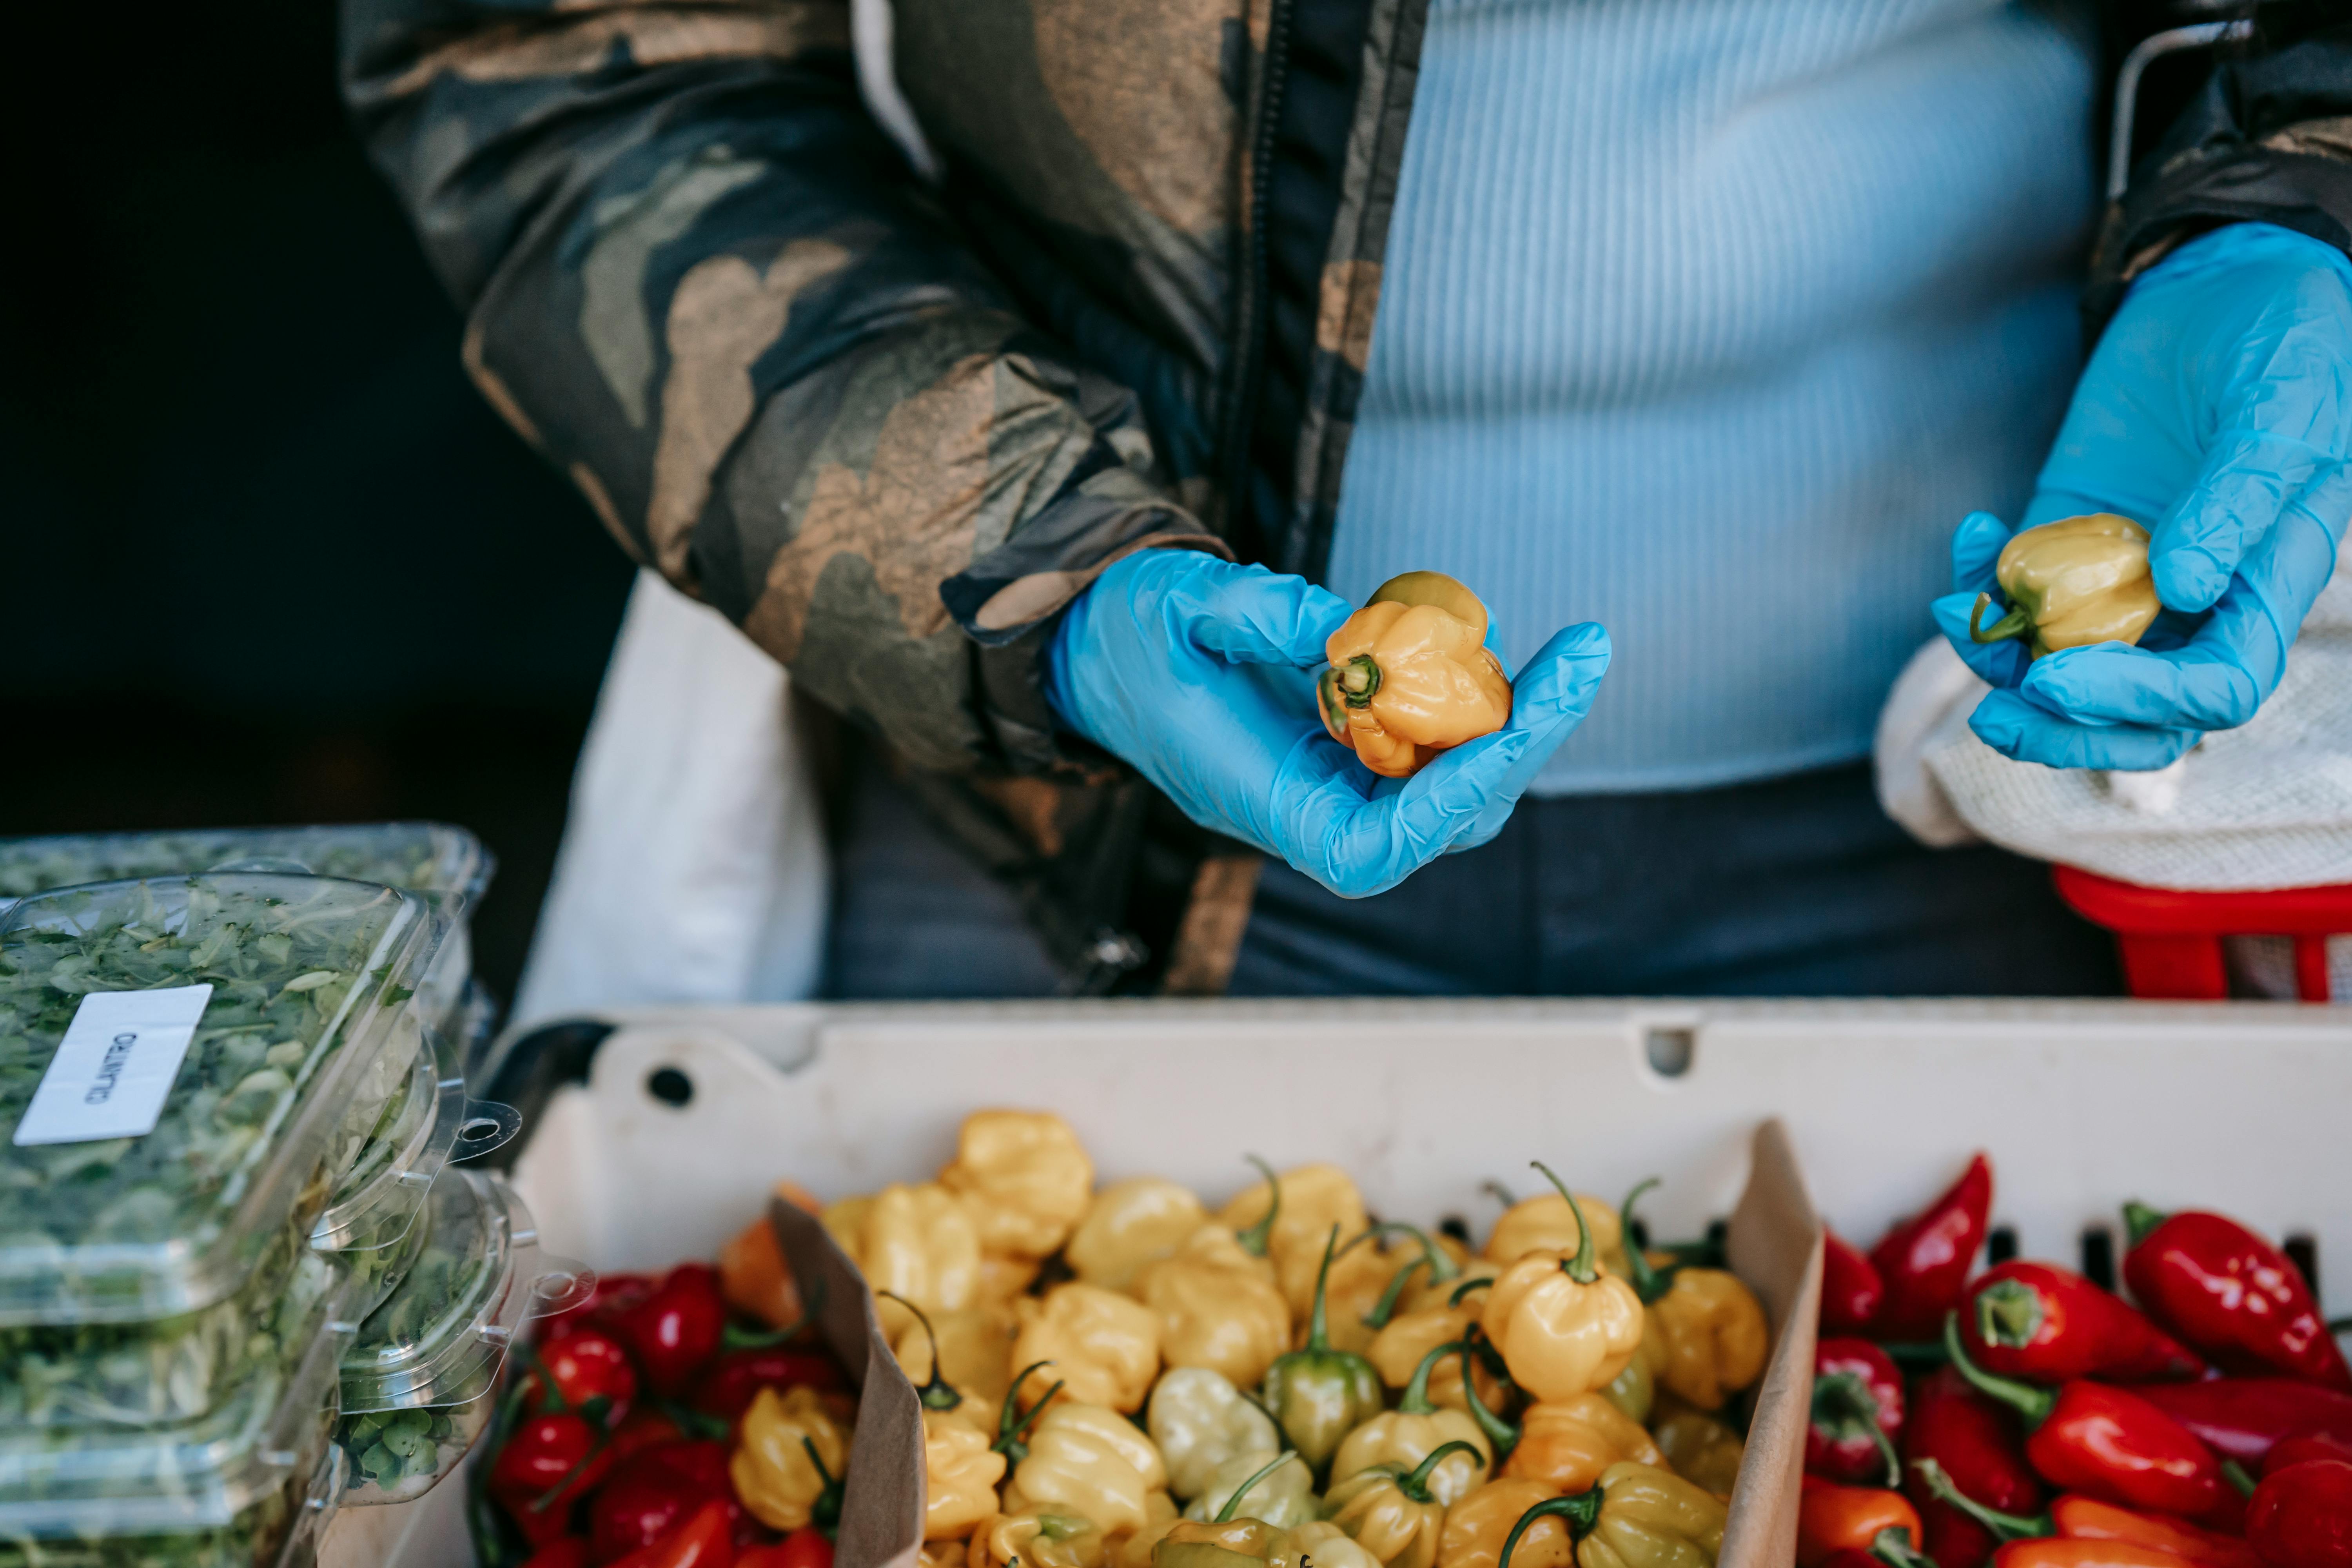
(1249, 306)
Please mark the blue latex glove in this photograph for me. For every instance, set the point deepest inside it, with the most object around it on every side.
(2218, 408)
(1201, 674)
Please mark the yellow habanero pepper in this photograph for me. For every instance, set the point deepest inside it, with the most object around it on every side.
(1025, 1178)
(2071, 583)
(1038, 1540)
(1216, 1306)
(1398, 1349)
(1403, 1438)
(960, 1474)
(1568, 1446)
(1410, 675)
(1563, 1327)
(1637, 1516)
(1286, 1218)
(1391, 1512)
(1476, 1527)
(917, 1243)
(1707, 1337)
(789, 1459)
(1106, 1346)
(1702, 1450)
(1089, 1460)
(1233, 1533)
(1131, 1223)
(931, 1366)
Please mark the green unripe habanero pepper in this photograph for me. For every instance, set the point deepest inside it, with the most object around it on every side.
(1317, 1394)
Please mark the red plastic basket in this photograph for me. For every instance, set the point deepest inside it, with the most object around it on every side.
(2171, 942)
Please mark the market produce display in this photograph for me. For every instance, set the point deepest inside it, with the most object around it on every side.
(1410, 675)
(2052, 1424)
(2072, 583)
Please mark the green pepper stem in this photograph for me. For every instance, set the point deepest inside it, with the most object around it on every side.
(1578, 1267)
(734, 1338)
(938, 1393)
(2141, 1220)
(1256, 1239)
(2235, 1474)
(1416, 1400)
(1892, 1547)
(1582, 1511)
(1480, 1283)
(546, 1379)
(1385, 1309)
(1499, 1193)
(1226, 1514)
(1647, 1282)
(2017, 623)
(1319, 1338)
(1414, 1483)
(2034, 1403)
(1499, 1432)
(826, 1512)
(1916, 1355)
(1442, 1266)
(1008, 1427)
(2000, 1526)
(2009, 1312)
(1360, 680)
(1845, 1408)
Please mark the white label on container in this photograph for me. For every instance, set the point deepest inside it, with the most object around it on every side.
(115, 1066)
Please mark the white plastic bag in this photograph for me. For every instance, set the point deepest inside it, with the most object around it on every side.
(693, 866)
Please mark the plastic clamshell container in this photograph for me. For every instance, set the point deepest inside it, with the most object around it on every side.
(424, 1125)
(418, 1376)
(309, 975)
(230, 1488)
(447, 864)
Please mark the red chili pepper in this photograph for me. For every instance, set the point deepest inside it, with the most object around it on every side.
(547, 1464)
(728, 1385)
(2298, 1450)
(2229, 1293)
(804, 1548)
(611, 1295)
(2077, 1517)
(2051, 1553)
(643, 1427)
(1832, 1518)
(2109, 1442)
(570, 1551)
(2241, 1417)
(648, 1494)
(1977, 1443)
(1851, 1292)
(1925, 1260)
(704, 1541)
(590, 1373)
(2040, 1322)
(2300, 1516)
(675, 1328)
(1858, 1414)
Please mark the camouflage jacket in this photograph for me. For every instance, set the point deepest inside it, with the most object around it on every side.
(890, 421)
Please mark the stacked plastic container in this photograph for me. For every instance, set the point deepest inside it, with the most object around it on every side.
(276, 1298)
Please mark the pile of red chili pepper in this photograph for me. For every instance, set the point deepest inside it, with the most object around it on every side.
(622, 1439)
(2046, 1422)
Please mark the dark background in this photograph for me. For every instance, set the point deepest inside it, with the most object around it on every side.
(269, 557)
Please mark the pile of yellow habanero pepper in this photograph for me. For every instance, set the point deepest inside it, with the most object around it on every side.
(1123, 1377)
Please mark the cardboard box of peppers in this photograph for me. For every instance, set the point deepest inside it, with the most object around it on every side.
(1123, 1377)
(2045, 1422)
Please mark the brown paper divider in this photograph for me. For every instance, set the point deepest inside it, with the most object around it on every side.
(1775, 1244)
(882, 1502)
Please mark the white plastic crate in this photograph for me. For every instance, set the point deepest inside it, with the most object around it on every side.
(2081, 1105)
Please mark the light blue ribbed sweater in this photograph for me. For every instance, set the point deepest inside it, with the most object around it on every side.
(1708, 320)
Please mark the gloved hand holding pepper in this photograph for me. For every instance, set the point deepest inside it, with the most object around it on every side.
(1199, 673)
(2214, 411)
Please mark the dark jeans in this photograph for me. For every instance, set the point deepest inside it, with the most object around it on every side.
(1793, 886)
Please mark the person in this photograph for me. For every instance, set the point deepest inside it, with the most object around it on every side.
(1042, 382)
